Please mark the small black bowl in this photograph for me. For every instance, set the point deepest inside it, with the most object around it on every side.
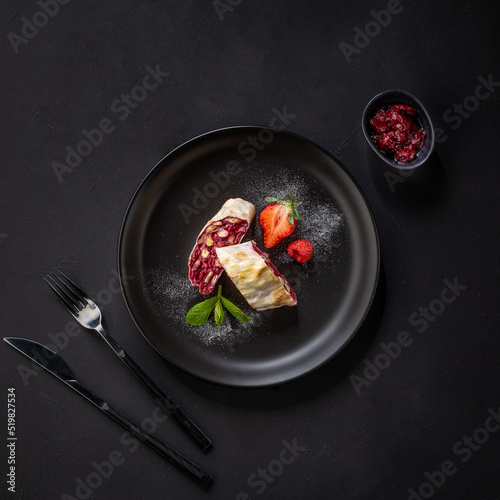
(384, 100)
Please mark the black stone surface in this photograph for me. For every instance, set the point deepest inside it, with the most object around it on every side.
(434, 407)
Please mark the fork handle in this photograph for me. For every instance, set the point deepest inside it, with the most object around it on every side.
(163, 449)
(159, 396)
(183, 463)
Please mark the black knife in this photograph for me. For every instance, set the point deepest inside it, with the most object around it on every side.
(54, 364)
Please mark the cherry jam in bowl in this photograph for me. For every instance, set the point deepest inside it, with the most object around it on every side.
(399, 129)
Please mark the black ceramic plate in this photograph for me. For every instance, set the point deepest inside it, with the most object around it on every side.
(334, 289)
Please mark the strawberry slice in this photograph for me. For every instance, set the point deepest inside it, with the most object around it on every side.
(278, 219)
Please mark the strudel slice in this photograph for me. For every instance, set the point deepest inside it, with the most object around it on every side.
(227, 227)
(255, 276)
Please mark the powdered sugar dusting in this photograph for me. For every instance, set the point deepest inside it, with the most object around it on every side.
(321, 222)
(174, 295)
(320, 226)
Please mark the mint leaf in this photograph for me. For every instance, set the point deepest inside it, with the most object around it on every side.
(271, 198)
(200, 313)
(218, 314)
(235, 310)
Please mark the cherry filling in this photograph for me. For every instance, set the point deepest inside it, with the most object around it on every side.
(204, 266)
(397, 132)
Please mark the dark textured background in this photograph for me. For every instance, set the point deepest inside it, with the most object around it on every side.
(440, 223)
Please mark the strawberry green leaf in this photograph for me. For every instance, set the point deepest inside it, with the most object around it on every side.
(292, 204)
(200, 313)
(235, 311)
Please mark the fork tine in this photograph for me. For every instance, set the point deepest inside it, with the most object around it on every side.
(63, 297)
(68, 291)
(72, 286)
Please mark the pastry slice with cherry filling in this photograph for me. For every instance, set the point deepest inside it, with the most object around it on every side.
(226, 227)
(258, 280)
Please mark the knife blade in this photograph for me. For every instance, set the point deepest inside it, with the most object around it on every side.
(55, 364)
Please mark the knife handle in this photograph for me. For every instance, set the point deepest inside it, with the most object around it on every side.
(159, 396)
(180, 461)
(54, 364)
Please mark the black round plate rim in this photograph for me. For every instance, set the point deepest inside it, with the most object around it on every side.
(254, 128)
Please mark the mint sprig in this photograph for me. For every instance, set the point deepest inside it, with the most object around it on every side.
(200, 313)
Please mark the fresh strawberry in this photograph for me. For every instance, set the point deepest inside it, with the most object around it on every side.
(278, 220)
(300, 250)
